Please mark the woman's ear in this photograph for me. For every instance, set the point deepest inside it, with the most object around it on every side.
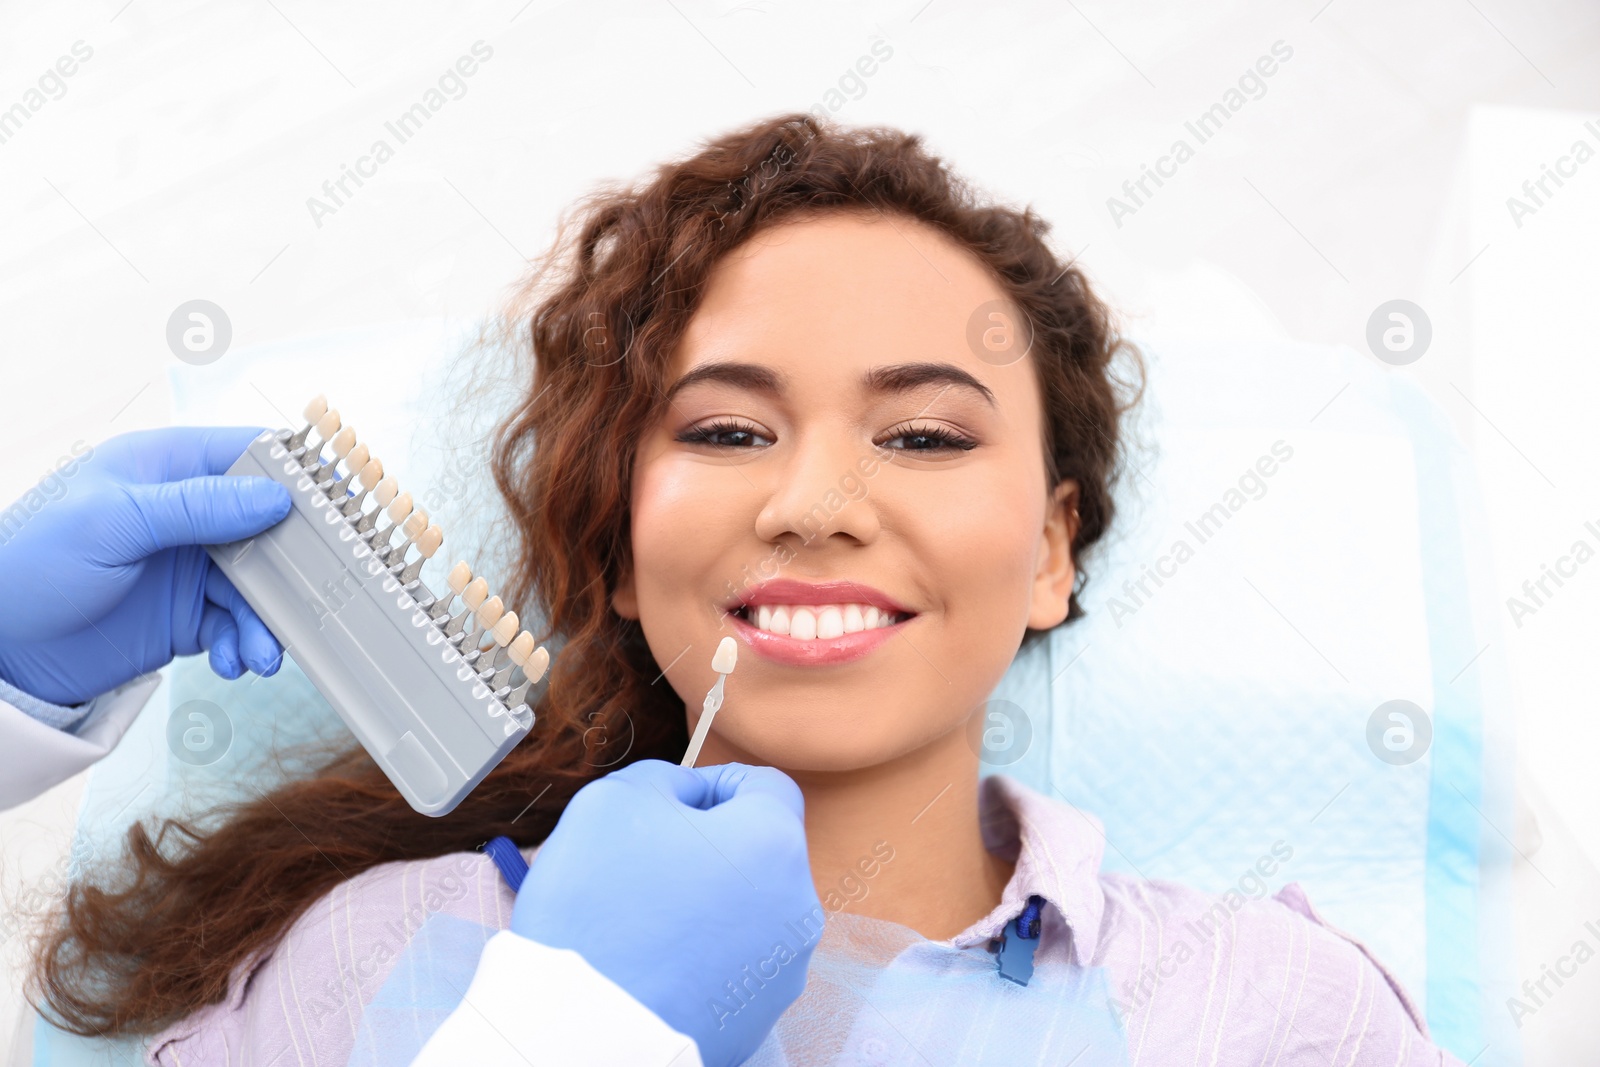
(625, 601)
(1056, 571)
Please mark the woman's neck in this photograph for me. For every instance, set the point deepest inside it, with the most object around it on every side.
(901, 841)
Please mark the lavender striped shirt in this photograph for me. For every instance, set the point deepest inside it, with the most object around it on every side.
(373, 968)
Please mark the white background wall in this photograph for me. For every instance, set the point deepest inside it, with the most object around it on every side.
(1377, 163)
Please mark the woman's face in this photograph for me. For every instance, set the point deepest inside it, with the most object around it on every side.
(831, 425)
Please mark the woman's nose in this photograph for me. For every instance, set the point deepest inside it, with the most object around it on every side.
(823, 486)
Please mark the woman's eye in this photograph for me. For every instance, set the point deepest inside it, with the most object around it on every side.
(721, 435)
(727, 434)
(932, 439)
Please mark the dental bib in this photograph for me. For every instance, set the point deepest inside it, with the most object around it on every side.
(878, 994)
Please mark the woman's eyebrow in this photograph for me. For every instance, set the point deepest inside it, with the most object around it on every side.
(892, 378)
(901, 377)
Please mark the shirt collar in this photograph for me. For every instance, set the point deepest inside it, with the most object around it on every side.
(1057, 849)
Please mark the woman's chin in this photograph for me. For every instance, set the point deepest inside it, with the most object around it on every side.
(787, 757)
(812, 748)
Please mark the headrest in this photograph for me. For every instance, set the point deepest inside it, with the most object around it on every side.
(1289, 666)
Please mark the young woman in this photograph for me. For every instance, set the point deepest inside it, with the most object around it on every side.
(806, 389)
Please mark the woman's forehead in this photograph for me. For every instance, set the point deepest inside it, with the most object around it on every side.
(834, 296)
(889, 260)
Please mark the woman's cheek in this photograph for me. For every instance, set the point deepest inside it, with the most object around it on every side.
(674, 519)
(985, 569)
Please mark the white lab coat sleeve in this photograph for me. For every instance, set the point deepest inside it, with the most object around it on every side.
(36, 753)
(530, 1003)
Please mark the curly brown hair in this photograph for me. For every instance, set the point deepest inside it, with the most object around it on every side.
(599, 318)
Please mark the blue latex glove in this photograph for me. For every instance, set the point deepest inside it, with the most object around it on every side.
(673, 882)
(105, 580)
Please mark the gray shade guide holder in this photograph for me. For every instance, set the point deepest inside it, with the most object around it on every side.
(366, 643)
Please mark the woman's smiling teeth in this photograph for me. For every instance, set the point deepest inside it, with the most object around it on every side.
(818, 621)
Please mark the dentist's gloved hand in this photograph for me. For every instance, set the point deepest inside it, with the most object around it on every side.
(103, 575)
(674, 881)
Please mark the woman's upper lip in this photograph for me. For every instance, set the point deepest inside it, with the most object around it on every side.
(791, 591)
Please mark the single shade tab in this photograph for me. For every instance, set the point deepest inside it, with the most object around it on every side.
(722, 662)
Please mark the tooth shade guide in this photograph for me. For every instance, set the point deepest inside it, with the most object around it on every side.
(537, 663)
(343, 442)
(353, 663)
(726, 656)
(370, 474)
(503, 631)
(430, 541)
(520, 650)
(490, 612)
(427, 544)
(533, 667)
(312, 413)
(454, 582)
(327, 426)
(412, 528)
(382, 494)
(355, 459)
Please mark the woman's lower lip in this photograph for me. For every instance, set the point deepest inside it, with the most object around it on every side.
(818, 652)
